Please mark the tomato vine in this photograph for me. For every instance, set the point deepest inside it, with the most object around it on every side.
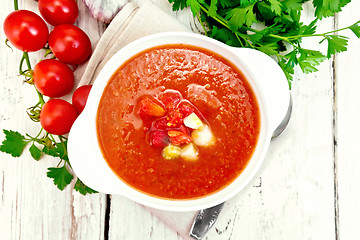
(44, 143)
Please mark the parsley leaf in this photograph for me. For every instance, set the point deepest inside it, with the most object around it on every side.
(224, 35)
(327, 8)
(275, 6)
(13, 144)
(60, 176)
(244, 3)
(194, 5)
(269, 49)
(292, 59)
(336, 44)
(35, 152)
(62, 150)
(257, 37)
(82, 188)
(309, 59)
(356, 28)
(59, 150)
(240, 16)
(51, 151)
(308, 29)
(226, 3)
(178, 4)
(288, 70)
(292, 5)
(213, 8)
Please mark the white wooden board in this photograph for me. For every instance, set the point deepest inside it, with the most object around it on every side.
(306, 189)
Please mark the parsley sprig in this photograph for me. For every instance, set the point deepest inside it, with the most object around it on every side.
(43, 143)
(233, 22)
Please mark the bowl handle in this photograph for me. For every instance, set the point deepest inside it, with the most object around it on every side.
(86, 164)
(272, 82)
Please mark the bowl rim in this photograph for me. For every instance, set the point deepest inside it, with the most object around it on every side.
(88, 118)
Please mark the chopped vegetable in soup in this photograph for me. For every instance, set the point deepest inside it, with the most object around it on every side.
(178, 122)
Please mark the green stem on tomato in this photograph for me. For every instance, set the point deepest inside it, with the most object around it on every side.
(41, 97)
(61, 138)
(51, 137)
(26, 56)
(28, 72)
(16, 5)
(36, 105)
(61, 160)
(21, 72)
(39, 132)
(36, 138)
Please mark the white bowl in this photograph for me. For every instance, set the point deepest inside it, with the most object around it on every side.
(263, 74)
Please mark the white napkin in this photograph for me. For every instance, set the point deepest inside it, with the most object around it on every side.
(131, 23)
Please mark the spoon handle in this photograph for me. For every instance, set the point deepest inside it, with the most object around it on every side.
(204, 220)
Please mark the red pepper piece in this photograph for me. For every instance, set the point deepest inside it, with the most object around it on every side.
(160, 124)
(171, 100)
(159, 139)
(183, 129)
(178, 138)
(186, 110)
(150, 107)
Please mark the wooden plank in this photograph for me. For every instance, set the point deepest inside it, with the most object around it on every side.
(129, 220)
(348, 129)
(31, 207)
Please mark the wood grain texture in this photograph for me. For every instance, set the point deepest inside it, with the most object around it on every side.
(348, 129)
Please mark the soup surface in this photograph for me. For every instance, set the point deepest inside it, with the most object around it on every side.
(178, 122)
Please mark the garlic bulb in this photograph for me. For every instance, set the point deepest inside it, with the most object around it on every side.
(105, 10)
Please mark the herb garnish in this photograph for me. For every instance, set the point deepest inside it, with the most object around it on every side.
(232, 22)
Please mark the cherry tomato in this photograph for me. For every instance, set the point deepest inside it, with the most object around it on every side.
(57, 12)
(53, 78)
(70, 44)
(57, 116)
(26, 30)
(80, 96)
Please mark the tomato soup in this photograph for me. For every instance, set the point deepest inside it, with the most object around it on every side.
(178, 122)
